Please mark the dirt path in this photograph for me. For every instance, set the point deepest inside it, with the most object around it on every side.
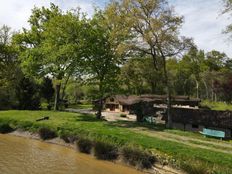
(193, 142)
(108, 115)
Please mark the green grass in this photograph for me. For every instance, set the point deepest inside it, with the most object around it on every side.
(196, 135)
(80, 106)
(161, 127)
(219, 106)
(87, 125)
(211, 145)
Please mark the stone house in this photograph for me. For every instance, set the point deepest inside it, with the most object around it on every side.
(124, 103)
(120, 103)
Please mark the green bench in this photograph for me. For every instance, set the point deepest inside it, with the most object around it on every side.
(213, 133)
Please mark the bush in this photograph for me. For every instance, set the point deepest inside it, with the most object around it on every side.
(123, 115)
(67, 136)
(49, 107)
(105, 151)
(46, 133)
(138, 157)
(47, 91)
(84, 145)
(195, 167)
(27, 94)
(5, 128)
(72, 138)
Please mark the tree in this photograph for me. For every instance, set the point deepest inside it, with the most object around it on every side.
(189, 71)
(155, 28)
(216, 65)
(8, 57)
(215, 60)
(228, 9)
(27, 93)
(52, 45)
(131, 75)
(10, 72)
(102, 62)
(221, 86)
(47, 90)
(227, 89)
(74, 91)
(138, 76)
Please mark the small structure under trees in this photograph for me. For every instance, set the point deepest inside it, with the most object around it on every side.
(154, 27)
(144, 105)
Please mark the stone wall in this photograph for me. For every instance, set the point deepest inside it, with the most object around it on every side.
(208, 118)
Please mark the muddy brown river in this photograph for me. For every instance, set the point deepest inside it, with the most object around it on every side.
(26, 156)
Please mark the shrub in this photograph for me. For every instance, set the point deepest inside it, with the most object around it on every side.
(195, 167)
(67, 135)
(72, 138)
(138, 157)
(123, 115)
(84, 145)
(24, 125)
(46, 133)
(221, 171)
(47, 91)
(27, 94)
(65, 138)
(105, 150)
(5, 128)
(49, 107)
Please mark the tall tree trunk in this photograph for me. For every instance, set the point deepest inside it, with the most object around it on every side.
(57, 96)
(206, 89)
(64, 87)
(100, 104)
(197, 88)
(153, 87)
(99, 112)
(215, 97)
(212, 91)
(169, 115)
(166, 81)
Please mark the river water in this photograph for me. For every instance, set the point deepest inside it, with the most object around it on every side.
(26, 156)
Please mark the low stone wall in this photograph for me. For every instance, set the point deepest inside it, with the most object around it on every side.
(192, 128)
(208, 118)
(188, 127)
(197, 119)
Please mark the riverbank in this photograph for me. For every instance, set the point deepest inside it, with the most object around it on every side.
(156, 169)
(26, 156)
(122, 135)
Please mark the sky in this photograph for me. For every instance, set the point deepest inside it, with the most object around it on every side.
(202, 18)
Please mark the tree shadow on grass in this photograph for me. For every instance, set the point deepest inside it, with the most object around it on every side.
(133, 124)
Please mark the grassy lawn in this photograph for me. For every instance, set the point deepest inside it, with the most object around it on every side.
(196, 135)
(220, 106)
(87, 125)
(80, 106)
(161, 127)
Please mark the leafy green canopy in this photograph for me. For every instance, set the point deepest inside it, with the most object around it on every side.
(52, 45)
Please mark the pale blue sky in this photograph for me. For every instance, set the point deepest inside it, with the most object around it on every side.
(203, 21)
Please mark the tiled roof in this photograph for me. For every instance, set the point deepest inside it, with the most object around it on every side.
(159, 99)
